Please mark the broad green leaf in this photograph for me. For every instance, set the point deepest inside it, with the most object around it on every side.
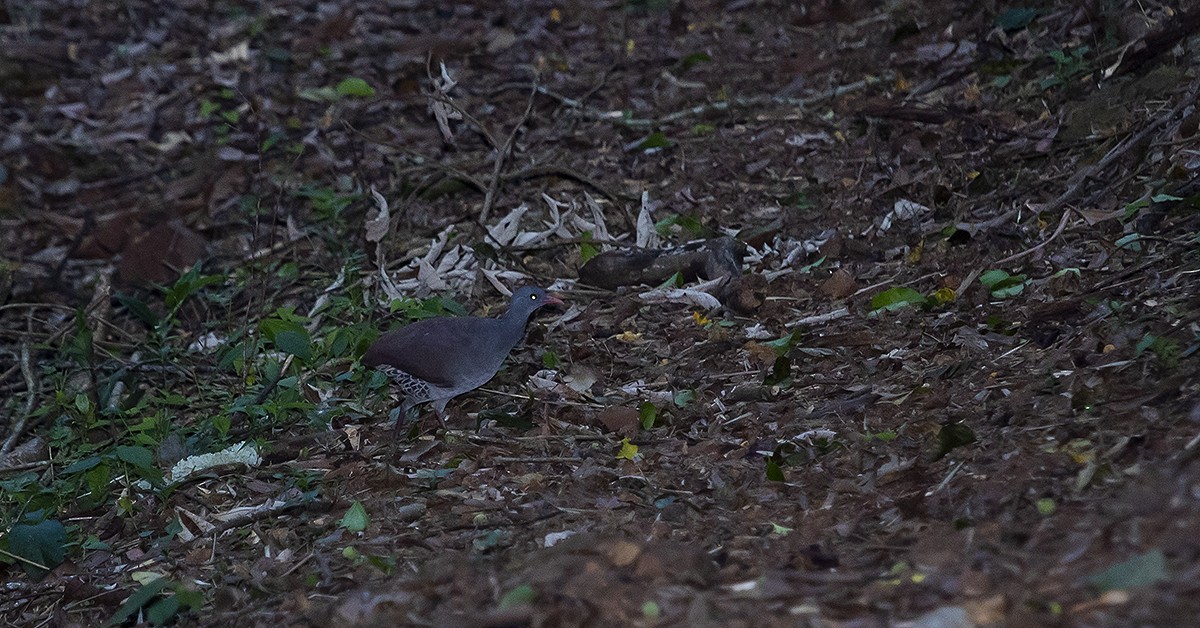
(1016, 19)
(653, 141)
(163, 610)
(139, 599)
(896, 298)
(520, 596)
(992, 277)
(355, 519)
(355, 86)
(774, 472)
(1139, 571)
(953, 436)
(138, 308)
(139, 457)
(783, 345)
(296, 343)
(42, 543)
(647, 414)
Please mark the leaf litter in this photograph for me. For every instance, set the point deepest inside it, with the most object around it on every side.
(943, 377)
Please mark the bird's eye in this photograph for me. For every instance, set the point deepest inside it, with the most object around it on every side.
(533, 296)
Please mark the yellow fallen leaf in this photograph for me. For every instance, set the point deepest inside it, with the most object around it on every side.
(628, 450)
(628, 336)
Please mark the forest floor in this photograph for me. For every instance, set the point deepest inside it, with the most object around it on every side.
(943, 374)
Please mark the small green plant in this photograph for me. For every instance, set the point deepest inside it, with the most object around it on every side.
(1067, 66)
(1002, 285)
(894, 299)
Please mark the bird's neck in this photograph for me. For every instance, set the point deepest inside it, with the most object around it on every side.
(513, 322)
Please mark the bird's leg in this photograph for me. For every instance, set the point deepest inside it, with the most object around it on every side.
(403, 417)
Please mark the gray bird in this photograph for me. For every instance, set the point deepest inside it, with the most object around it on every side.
(437, 359)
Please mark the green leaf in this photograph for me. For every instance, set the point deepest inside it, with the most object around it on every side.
(1046, 506)
(1131, 242)
(1016, 19)
(953, 436)
(628, 450)
(1139, 571)
(355, 86)
(691, 60)
(1003, 285)
(653, 141)
(587, 250)
(992, 277)
(684, 397)
(550, 360)
(43, 543)
(781, 373)
(651, 610)
(647, 414)
(783, 345)
(355, 519)
(896, 298)
(138, 308)
(774, 472)
(318, 94)
(296, 343)
(520, 596)
(163, 610)
(139, 599)
(139, 457)
(689, 224)
(779, 530)
(188, 284)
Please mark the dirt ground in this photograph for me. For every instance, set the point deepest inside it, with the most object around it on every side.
(930, 359)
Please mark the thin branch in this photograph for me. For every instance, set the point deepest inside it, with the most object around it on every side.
(32, 388)
(489, 198)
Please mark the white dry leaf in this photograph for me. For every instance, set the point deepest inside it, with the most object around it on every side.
(573, 312)
(205, 343)
(902, 210)
(800, 139)
(324, 298)
(554, 538)
(438, 244)
(689, 296)
(377, 227)
(506, 230)
(807, 436)
(172, 140)
(559, 212)
(389, 287)
(241, 453)
(443, 112)
(640, 390)
(544, 380)
(758, 331)
(428, 278)
(597, 225)
(501, 279)
(239, 52)
(581, 378)
(647, 236)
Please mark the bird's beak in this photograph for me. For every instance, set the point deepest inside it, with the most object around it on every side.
(554, 299)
